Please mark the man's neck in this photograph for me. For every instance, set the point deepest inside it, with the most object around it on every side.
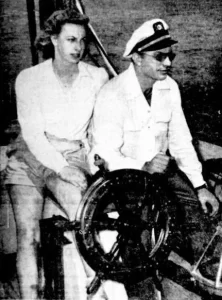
(145, 82)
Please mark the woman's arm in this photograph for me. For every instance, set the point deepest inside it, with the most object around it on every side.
(32, 122)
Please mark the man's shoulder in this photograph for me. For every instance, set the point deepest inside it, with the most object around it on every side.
(113, 93)
(117, 83)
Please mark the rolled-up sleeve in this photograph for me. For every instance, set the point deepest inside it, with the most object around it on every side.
(32, 123)
(180, 142)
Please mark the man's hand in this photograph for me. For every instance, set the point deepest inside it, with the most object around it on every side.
(206, 197)
(74, 176)
(158, 164)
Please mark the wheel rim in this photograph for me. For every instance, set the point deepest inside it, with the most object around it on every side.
(128, 211)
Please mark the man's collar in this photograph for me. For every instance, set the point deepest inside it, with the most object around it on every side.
(134, 86)
(162, 84)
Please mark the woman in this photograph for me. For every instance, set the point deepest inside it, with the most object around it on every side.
(55, 100)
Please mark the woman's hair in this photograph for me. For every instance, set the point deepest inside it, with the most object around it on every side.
(53, 26)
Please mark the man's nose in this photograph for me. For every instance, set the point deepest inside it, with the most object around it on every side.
(167, 61)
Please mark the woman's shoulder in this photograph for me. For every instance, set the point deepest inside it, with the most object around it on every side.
(34, 72)
(93, 71)
(30, 78)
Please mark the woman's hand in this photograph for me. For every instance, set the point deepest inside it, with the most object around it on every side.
(74, 176)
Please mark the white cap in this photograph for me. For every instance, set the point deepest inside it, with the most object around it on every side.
(151, 35)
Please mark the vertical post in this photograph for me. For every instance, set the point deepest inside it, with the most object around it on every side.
(97, 42)
(52, 242)
(46, 8)
(32, 29)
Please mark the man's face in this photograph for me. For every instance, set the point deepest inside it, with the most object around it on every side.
(156, 64)
(70, 43)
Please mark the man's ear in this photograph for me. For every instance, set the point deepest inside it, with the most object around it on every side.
(136, 59)
(54, 39)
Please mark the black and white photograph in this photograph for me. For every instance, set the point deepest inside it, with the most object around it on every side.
(110, 150)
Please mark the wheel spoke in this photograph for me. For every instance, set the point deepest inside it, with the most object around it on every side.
(124, 223)
(104, 222)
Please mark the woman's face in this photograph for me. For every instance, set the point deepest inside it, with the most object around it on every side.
(70, 43)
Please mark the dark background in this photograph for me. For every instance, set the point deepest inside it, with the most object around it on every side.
(196, 24)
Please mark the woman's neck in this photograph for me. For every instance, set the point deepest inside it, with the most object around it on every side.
(66, 73)
(65, 70)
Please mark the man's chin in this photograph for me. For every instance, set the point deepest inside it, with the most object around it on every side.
(163, 76)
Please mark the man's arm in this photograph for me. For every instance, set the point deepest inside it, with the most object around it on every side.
(106, 132)
(180, 141)
(181, 148)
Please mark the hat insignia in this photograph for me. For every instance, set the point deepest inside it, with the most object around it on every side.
(158, 26)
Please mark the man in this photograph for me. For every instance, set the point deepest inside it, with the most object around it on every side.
(139, 123)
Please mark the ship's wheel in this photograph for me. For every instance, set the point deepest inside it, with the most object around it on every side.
(125, 230)
(123, 224)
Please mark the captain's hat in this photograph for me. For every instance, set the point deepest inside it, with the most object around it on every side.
(151, 35)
